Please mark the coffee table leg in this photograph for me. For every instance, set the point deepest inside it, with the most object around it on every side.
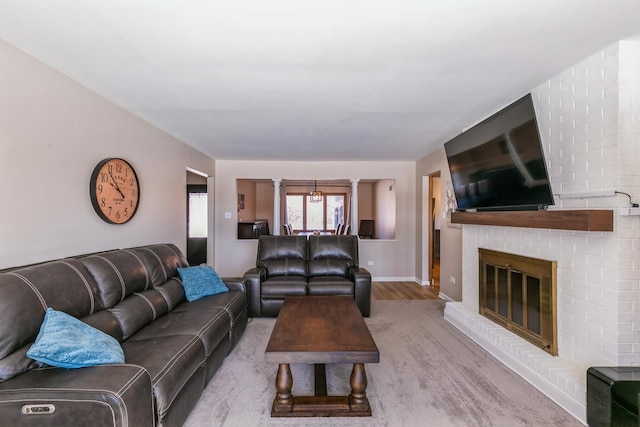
(284, 381)
(358, 397)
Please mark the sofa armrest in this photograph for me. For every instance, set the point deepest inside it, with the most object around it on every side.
(105, 395)
(235, 283)
(253, 278)
(362, 289)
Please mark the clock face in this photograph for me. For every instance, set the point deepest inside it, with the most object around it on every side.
(114, 190)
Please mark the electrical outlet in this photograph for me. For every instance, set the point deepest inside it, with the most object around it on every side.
(629, 211)
(370, 263)
(227, 215)
(452, 280)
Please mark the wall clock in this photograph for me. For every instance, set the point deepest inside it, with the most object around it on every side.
(114, 190)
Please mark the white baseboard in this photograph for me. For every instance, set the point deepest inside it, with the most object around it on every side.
(393, 279)
(445, 297)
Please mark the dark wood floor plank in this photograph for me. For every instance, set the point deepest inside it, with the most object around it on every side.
(402, 291)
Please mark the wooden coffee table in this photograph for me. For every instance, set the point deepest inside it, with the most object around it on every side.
(319, 330)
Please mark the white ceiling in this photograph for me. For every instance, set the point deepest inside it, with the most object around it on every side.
(314, 80)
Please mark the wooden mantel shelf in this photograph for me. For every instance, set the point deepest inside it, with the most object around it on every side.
(579, 220)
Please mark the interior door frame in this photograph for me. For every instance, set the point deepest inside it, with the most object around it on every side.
(426, 231)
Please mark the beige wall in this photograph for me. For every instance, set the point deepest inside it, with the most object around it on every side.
(248, 189)
(385, 208)
(450, 234)
(366, 199)
(195, 179)
(53, 132)
(264, 203)
(392, 259)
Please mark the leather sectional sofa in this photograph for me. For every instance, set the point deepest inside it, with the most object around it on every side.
(172, 347)
(306, 265)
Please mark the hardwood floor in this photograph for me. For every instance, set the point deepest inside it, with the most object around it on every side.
(402, 290)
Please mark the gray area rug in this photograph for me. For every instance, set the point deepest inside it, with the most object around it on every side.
(429, 374)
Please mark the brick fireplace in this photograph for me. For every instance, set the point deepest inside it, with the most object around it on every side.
(589, 118)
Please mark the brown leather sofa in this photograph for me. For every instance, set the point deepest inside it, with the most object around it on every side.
(301, 265)
(172, 347)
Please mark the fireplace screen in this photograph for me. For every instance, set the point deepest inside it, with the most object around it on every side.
(519, 293)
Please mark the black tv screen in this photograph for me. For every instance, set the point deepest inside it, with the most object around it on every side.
(499, 164)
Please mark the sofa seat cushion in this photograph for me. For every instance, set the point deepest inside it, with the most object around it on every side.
(210, 327)
(281, 286)
(234, 303)
(330, 285)
(172, 361)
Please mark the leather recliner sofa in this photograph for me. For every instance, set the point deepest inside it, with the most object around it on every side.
(172, 347)
(301, 265)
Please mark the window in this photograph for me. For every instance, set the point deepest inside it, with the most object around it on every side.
(295, 211)
(303, 214)
(334, 211)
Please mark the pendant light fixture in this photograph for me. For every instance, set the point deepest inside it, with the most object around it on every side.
(316, 196)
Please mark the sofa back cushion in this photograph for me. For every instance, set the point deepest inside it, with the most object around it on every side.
(104, 321)
(117, 274)
(138, 310)
(26, 293)
(332, 255)
(162, 261)
(172, 292)
(282, 255)
(138, 285)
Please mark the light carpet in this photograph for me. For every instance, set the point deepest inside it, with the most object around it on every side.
(429, 374)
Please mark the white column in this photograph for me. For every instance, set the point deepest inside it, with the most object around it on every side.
(276, 206)
(354, 206)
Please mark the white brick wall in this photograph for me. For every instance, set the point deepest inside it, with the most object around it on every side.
(589, 119)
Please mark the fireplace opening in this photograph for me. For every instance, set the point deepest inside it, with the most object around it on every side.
(519, 294)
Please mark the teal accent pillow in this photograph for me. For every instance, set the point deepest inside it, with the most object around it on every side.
(67, 342)
(201, 281)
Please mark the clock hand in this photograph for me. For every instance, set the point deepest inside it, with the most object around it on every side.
(114, 181)
(117, 189)
(115, 184)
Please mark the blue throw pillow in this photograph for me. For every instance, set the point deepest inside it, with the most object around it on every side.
(200, 282)
(67, 342)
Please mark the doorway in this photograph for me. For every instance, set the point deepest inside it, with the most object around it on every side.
(197, 219)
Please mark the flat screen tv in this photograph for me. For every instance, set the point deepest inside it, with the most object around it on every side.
(499, 164)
